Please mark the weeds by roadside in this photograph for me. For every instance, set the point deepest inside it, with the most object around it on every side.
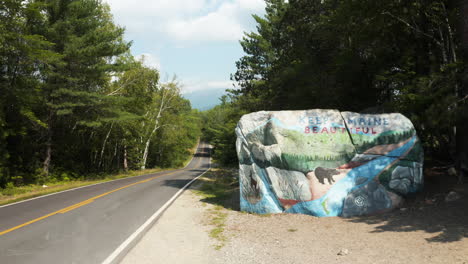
(218, 221)
(220, 187)
(12, 194)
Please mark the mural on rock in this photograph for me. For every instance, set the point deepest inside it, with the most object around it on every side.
(326, 162)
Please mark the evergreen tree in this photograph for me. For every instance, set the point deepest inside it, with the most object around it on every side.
(85, 36)
(74, 100)
(363, 56)
(23, 57)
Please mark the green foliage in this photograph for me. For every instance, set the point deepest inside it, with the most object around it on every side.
(369, 56)
(75, 103)
(175, 140)
(220, 188)
(219, 126)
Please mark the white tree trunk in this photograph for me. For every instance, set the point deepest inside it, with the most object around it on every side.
(168, 93)
(125, 161)
(104, 145)
(145, 154)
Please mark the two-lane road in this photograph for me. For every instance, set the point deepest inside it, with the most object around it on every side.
(86, 225)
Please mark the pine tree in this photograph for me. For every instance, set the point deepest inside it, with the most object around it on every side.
(23, 55)
(85, 36)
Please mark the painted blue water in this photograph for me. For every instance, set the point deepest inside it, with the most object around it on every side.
(269, 204)
(331, 204)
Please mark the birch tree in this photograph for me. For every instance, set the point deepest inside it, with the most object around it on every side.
(163, 102)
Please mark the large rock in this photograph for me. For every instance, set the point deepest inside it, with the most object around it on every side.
(327, 163)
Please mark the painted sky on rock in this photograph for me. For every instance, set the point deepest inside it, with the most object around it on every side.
(197, 40)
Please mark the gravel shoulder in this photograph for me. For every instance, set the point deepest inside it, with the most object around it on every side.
(202, 229)
(178, 237)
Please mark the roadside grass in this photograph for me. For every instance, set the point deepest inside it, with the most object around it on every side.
(218, 221)
(219, 187)
(20, 193)
(13, 194)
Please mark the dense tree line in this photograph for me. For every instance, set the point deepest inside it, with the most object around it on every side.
(219, 124)
(364, 56)
(75, 102)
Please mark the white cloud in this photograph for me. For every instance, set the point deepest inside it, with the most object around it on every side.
(155, 8)
(158, 26)
(191, 87)
(187, 20)
(219, 25)
(149, 60)
(257, 5)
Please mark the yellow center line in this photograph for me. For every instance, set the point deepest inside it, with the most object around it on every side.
(73, 207)
(85, 202)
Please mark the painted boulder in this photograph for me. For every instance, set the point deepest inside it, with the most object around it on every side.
(326, 162)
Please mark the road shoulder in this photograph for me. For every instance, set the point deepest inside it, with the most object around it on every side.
(179, 236)
(188, 233)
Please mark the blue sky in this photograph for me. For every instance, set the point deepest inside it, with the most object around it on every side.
(197, 40)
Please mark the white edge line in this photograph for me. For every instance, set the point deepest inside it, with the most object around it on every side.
(126, 246)
(69, 190)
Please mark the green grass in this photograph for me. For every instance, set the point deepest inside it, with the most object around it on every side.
(219, 188)
(20, 193)
(218, 221)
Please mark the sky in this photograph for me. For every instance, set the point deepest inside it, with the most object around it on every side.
(196, 40)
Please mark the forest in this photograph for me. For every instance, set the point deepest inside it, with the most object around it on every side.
(364, 56)
(76, 104)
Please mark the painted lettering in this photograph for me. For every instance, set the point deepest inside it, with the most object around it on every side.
(377, 121)
(318, 121)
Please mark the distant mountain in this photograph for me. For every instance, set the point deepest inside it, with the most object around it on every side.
(204, 99)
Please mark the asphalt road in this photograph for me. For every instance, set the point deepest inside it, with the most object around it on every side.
(86, 225)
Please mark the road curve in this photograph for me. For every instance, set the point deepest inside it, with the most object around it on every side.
(86, 225)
